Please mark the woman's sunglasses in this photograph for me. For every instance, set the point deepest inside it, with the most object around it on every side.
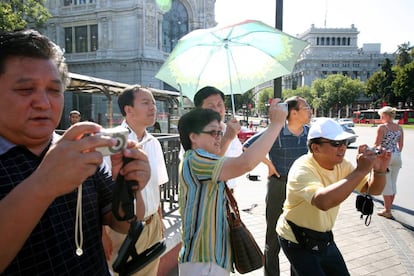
(213, 133)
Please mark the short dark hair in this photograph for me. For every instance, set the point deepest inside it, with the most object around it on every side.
(293, 103)
(204, 93)
(193, 122)
(30, 43)
(313, 141)
(127, 96)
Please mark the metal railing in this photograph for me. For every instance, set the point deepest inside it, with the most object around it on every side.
(170, 144)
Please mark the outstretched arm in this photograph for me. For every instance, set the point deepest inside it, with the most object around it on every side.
(337, 192)
(249, 159)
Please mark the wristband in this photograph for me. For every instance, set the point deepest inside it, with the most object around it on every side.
(379, 173)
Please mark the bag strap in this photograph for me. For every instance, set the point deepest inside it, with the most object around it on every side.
(368, 218)
(232, 208)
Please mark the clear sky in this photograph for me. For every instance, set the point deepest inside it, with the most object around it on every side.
(378, 21)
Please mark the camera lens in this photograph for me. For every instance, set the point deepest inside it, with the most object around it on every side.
(120, 142)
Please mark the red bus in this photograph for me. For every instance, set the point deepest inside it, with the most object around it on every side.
(371, 116)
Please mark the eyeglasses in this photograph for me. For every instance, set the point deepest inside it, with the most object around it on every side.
(335, 144)
(213, 133)
(305, 108)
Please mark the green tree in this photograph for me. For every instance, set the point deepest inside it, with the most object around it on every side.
(335, 92)
(18, 14)
(303, 91)
(374, 85)
(403, 84)
(239, 100)
(403, 54)
(263, 99)
(318, 90)
(379, 85)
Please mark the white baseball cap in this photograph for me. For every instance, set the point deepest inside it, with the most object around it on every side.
(328, 129)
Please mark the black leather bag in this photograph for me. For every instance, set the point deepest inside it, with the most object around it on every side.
(365, 205)
(246, 253)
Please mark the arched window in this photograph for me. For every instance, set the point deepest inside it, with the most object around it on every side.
(174, 26)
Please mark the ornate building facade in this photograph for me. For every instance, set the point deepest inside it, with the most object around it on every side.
(335, 51)
(123, 40)
(128, 40)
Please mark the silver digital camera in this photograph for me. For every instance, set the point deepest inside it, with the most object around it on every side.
(120, 134)
(375, 150)
(284, 105)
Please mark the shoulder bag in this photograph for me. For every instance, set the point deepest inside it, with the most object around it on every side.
(246, 253)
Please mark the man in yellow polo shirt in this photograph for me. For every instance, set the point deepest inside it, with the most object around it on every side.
(317, 183)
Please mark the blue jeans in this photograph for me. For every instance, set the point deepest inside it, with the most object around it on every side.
(313, 262)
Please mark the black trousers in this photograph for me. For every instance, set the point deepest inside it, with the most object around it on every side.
(276, 195)
(304, 262)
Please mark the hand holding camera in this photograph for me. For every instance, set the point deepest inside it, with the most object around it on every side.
(278, 111)
(284, 106)
(375, 150)
(120, 134)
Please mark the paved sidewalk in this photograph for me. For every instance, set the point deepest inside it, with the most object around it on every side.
(385, 247)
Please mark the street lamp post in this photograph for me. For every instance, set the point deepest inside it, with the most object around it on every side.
(277, 83)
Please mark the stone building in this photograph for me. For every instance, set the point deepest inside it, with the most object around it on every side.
(123, 40)
(335, 51)
(128, 40)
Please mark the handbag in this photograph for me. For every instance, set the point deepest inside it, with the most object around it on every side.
(247, 254)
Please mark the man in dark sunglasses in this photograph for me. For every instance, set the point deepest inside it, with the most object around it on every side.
(317, 183)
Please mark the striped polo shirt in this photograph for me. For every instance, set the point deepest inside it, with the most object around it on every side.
(205, 230)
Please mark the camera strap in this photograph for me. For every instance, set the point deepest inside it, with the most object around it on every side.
(123, 200)
(128, 260)
(78, 224)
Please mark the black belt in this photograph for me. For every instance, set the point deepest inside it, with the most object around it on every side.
(310, 239)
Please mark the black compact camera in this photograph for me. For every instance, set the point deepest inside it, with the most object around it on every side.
(365, 205)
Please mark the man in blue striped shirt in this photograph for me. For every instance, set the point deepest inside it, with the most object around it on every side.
(288, 146)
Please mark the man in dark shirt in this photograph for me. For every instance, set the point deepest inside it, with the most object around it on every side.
(55, 192)
(288, 146)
